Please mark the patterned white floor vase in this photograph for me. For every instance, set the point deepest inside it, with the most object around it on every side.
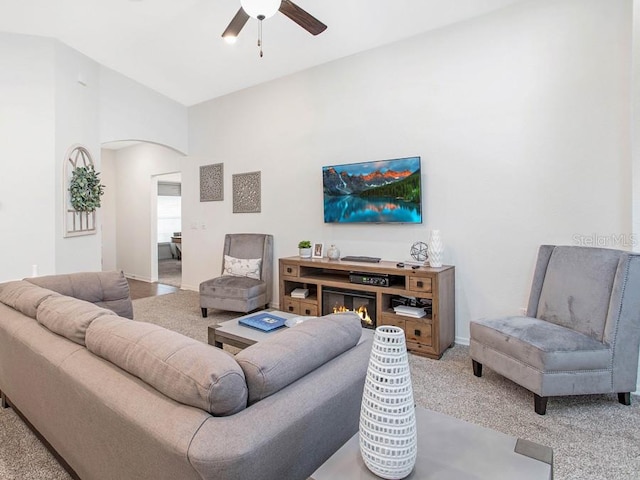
(388, 436)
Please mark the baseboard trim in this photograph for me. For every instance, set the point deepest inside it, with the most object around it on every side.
(138, 277)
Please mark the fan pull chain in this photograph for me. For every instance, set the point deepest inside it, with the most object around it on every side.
(260, 37)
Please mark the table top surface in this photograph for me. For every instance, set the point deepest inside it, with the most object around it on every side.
(452, 449)
(232, 328)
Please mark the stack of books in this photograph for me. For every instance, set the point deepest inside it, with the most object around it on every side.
(300, 293)
(415, 312)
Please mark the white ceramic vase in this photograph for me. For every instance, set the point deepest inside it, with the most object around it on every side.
(333, 253)
(435, 249)
(305, 252)
(388, 436)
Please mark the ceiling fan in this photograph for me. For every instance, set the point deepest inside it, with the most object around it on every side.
(262, 9)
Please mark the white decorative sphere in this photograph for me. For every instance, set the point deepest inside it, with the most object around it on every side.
(419, 251)
(257, 8)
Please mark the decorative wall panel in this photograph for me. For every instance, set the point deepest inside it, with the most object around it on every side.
(246, 192)
(212, 182)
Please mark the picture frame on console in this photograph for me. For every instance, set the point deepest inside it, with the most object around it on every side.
(318, 250)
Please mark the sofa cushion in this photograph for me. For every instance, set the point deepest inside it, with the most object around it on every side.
(545, 346)
(280, 360)
(24, 296)
(105, 289)
(68, 316)
(233, 287)
(184, 369)
(242, 267)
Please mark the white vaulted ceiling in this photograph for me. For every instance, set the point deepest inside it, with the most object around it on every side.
(175, 46)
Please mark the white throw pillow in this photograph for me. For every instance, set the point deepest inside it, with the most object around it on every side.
(242, 267)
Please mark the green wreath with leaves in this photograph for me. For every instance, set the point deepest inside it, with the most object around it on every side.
(85, 189)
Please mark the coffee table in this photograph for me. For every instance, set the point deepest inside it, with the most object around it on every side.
(240, 336)
(451, 449)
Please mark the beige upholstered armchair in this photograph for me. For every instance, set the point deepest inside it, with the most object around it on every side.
(246, 283)
(582, 330)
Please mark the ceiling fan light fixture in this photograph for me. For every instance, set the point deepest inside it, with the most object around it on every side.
(260, 8)
(230, 39)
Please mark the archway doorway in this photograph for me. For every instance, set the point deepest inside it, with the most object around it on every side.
(131, 171)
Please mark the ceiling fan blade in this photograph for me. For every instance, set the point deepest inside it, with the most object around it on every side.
(236, 24)
(302, 18)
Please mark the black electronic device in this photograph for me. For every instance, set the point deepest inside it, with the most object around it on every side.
(360, 258)
(377, 279)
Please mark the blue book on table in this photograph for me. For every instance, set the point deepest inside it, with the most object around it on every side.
(263, 321)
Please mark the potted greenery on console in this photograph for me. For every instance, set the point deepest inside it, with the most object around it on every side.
(85, 189)
(304, 247)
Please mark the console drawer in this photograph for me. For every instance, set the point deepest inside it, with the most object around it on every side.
(418, 332)
(420, 284)
(291, 306)
(289, 270)
(392, 319)
(422, 349)
(307, 308)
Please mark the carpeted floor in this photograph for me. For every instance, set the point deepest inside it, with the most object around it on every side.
(593, 437)
(179, 312)
(22, 456)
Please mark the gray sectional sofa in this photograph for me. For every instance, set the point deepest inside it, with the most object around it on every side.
(120, 399)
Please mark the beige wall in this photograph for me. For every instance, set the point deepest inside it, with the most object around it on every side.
(131, 111)
(77, 123)
(27, 170)
(108, 210)
(635, 126)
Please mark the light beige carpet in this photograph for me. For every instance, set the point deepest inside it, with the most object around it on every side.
(22, 456)
(593, 437)
(179, 312)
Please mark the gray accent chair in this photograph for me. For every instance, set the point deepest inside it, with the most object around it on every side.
(582, 330)
(241, 294)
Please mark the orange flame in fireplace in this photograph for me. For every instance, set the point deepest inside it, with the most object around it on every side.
(361, 311)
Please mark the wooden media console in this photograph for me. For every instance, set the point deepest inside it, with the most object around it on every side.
(433, 288)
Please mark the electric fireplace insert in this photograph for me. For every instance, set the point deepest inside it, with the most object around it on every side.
(336, 300)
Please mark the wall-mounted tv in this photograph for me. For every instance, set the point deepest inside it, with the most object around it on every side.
(384, 191)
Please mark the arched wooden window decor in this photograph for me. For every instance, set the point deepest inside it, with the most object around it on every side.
(77, 222)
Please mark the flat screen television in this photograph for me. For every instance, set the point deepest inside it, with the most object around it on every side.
(383, 191)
